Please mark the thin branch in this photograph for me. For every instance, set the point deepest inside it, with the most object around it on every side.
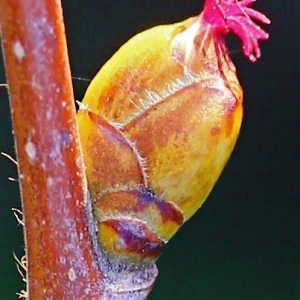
(61, 260)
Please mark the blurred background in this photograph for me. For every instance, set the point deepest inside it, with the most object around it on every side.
(244, 243)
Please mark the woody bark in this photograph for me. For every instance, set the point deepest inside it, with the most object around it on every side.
(61, 260)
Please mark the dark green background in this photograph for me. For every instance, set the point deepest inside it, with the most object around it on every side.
(245, 241)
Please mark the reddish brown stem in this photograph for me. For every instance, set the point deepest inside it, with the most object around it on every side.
(60, 257)
(62, 262)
